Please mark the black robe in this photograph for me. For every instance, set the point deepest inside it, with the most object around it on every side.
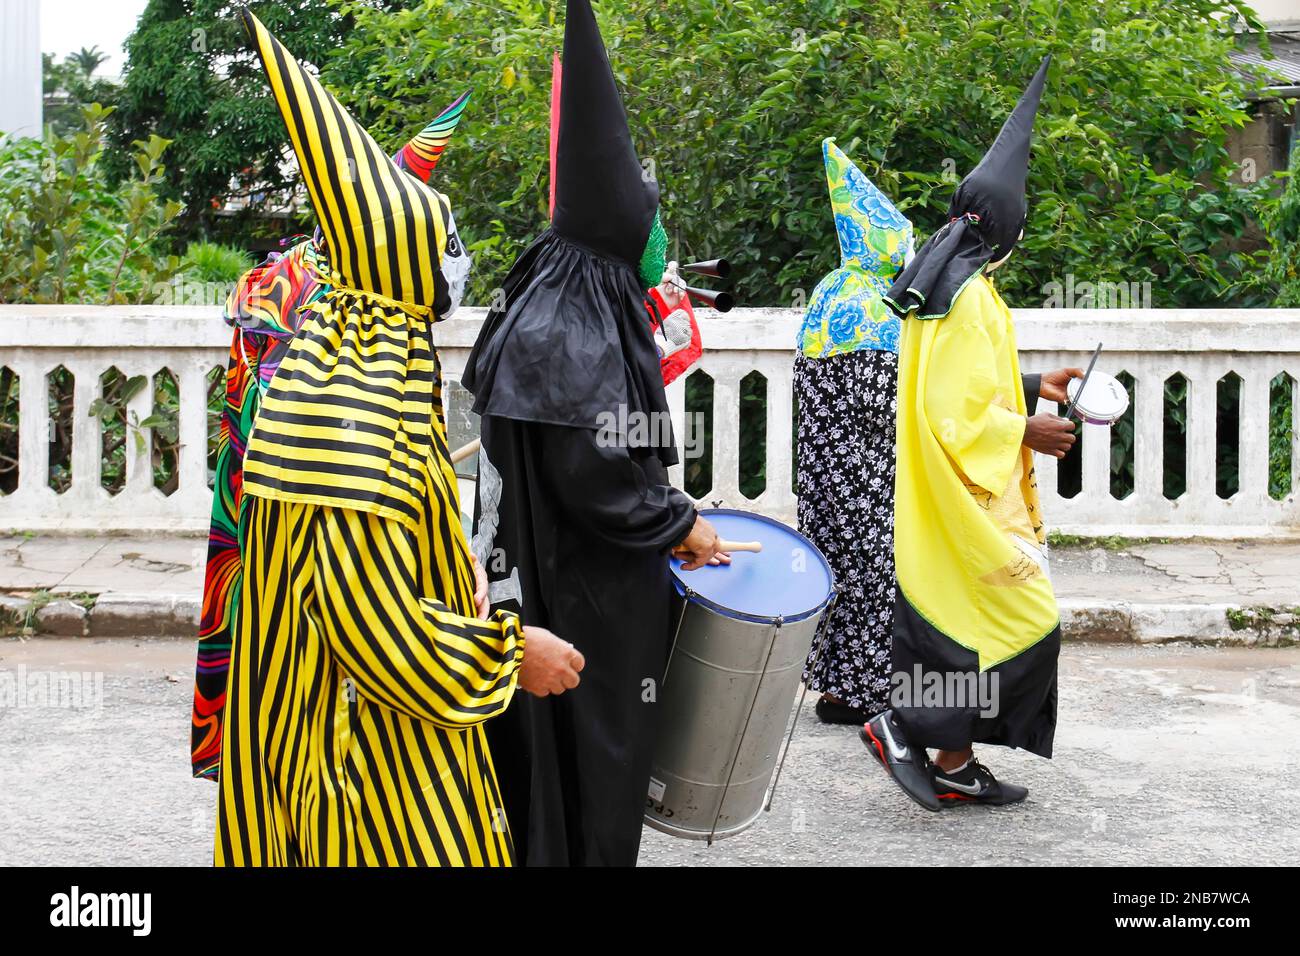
(574, 537)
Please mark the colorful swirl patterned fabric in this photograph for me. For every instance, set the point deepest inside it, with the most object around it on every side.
(845, 311)
(266, 308)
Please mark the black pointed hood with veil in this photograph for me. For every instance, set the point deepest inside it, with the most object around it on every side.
(568, 342)
(985, 218)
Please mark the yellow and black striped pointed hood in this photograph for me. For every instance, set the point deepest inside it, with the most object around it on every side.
(386, 232)
(353, 417)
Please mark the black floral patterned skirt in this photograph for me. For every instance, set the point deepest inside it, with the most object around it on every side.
(845, 484)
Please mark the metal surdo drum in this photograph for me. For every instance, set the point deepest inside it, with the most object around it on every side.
(743, 633)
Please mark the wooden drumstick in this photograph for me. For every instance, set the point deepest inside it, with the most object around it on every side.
(460, 454)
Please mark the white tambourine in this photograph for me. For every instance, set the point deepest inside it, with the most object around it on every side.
(1103, 402)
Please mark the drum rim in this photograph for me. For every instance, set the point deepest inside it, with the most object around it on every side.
(738, 615)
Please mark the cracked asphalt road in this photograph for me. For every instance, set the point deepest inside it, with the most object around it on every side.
(1165, 755)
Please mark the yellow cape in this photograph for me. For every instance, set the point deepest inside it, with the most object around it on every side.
(964, 482)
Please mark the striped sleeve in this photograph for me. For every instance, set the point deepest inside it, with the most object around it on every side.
(406, 651)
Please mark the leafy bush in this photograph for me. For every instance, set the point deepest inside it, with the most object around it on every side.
(67, 236)
(1131, 179)
(1281, 436)
(191, 78)
(1281, 223)
(213, 262)
(1280, 219)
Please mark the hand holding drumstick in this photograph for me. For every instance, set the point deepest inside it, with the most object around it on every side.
(702, 546)
(1047, 433)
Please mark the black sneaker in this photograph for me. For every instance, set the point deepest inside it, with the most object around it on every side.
(975, 783)
(908, 766)
(836, 712)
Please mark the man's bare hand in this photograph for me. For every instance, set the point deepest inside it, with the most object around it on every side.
(551, 665)
(701, 547)
(480, 590)
(1051, 385)
(1049, 434)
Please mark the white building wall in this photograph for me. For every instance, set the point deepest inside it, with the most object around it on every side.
(20, 67)
(1277, 12)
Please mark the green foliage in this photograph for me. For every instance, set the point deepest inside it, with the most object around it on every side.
(213, 262)
(8, 430)
(699, 422)
(1114, 542)
(145, 218)
(71, 86)
(116, 426)
(67, 236)
(191, 78)
(1281, 435)
(1281, 223)
(1131, 179)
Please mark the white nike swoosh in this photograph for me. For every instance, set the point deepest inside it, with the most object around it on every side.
(972, 789)
(900, 753)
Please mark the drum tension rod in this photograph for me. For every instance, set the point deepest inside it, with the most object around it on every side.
(798, 708)
(686, 602)
(735, 758)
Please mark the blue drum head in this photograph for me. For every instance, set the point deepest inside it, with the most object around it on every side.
(789, 579)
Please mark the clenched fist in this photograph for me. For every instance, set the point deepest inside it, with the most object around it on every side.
(1049, 434)
(551, 665)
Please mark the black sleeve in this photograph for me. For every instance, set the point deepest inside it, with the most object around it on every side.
(602, 489)
(1031, 384)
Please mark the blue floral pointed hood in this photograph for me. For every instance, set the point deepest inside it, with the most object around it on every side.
(846, 312)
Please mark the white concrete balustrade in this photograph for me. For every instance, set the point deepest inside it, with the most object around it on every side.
(1150, 345)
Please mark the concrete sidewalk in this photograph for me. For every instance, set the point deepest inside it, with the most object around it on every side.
(1226, 592)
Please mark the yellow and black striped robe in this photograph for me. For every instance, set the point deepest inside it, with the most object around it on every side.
(360, 677)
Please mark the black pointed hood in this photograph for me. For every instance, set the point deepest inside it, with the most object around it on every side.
(985, 217)
(603, 198)
(568, 342)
